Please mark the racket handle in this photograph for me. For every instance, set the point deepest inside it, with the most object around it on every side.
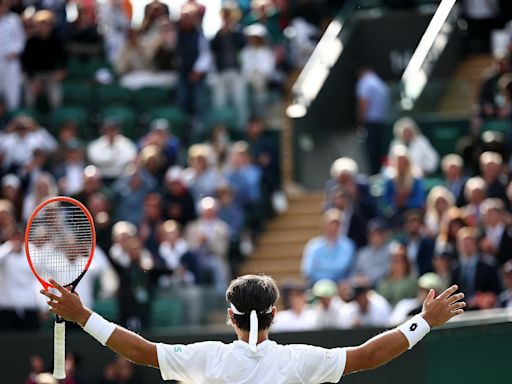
(59, 349)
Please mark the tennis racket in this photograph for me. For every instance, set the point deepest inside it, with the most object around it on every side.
(59, 243)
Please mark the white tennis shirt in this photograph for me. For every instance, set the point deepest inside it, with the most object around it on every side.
(213, 362)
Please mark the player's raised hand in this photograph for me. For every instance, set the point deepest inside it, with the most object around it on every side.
(68, 305)
(438, 310)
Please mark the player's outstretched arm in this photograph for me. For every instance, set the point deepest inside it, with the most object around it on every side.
(122, 341)
(391, 344)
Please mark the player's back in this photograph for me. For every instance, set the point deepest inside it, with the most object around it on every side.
(235, 363)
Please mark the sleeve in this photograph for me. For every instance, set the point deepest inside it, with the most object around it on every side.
(319, 365)
(185, 362)
(204, 61)
(362, 89)
(16, 43)
(430, 158)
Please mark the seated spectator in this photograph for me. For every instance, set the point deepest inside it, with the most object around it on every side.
(44, 61)
(475, 192)
(162, 45)
(177, 199)
(421, 153)
(442, 263)
(229, 86)
(446, 241)
(92, 182)
(120, 371)
(133, 56)
(297, 315)
(373, 260)
(400, 283)
(439, 202)
(152, 12)
(67, 132)
(130, 190)
(99, 206)
(355, 220)
(7, 220)
(151, 221)
(403, 189)
(220, 143)
(412, 306)
(493, 173)
(452, 166)
(84, 41)
(208, 238)
(330, 256)
(19, 301)
(497, 234)
(152, 159)
(70, 173)
(114, 19)
(420, 246)
(10, 189)
(111, 152)
(201, 175)
(328, 305)
(257, 65)
(12, 44)
(160, 134)
(36, 368)
(45, 187)
(122, 231)
(474, 275)
(367, 309)
(505, 297)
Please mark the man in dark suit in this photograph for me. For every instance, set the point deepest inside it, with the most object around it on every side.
(497, 239)
(475, 275)
(420, 248)
(354, 218)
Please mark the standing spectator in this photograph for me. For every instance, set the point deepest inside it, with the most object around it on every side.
(44, 61)
(122, 232)
(12, 42)
(85, 42)
(420, 151)
(152, 12)
(298, 315)
(439, 202)
(452, 166)
(476, 277)
(208, 238)
(114, 18)
(497, 240)
(475, 192)
(111, 152)
(178, 202)
(19, 301)
(505, 297)
(400, 283)
(173, 250)
(420, 246)
(373, 260)
(491, 168)
(372, 109)
(266, 14)
(228, 83)
(367, 309)
(151, 221)
(488, 106)
(331, 255)
(258, 65)
(328, 305)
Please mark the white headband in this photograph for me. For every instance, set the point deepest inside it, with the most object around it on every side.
(253, 326)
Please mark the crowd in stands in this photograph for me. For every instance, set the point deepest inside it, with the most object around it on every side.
(177, 202)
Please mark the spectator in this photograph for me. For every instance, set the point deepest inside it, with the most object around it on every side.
(446, 241)
(84, 42)
(177, 199)
(412, 306)
(162, 46)
(265, 13)
(421, 153)
(491, 167)
(120, 371)
(7, 220)
(151, 221)
(373, 260)
(45, 378)
(475, 192)
(70, 174)
(19, 300)
(152, 160)
(475, 276)
(36, 368)
(354, 224)
(45, 187)
(12, 42)
(160, 134)
(372, 108)
(67, 133)
(114, 18)
(368, 309)
(152, 12)
(403, 189)
(101, 212)
(11, 190)
(505, 297)
(328, 305)
(44, 61)
(92, 183)
(497, 239)
(420, 246)
(173, 249)
(111, 152)
(229, 85)
(330, 256)
(298, 315)
(220, 144)
(122, 232)
(488, 94)
(133, 56)
(452, 166)
(439, 202)
(400, 283)
(201, 175)
(442, 263)
(72, 364)
(208, 238)
(257, 65)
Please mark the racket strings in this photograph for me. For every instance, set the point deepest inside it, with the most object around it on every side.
(60, 242)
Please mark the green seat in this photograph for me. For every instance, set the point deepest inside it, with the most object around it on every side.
(444, 139)
(78, 115)
(126, 117)
(166, 312)
(28, 111)
(108, 308)
(80, 69)
(175, 117)
(113, 94)
(151, 97)
(227, 116)
(503, 126)
(77, 92)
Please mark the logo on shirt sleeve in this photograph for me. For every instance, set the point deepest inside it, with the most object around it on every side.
(413, 327)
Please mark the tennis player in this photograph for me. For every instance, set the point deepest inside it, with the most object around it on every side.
(253, 358)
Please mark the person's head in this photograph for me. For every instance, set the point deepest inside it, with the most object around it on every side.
(152, 158)
(255, 128)
(36, 361)
(240, 155)
(4, 7)
(256, 35)
(225, 194)
(153, 207)
(452, 166)
(294, 295)
(97, 203)
(23, 125)
(492, 210)
(413, 222)
(122, 231)
(230, 13)
(332, 219)
(92, 179)
(501, 63)
(134, 248)
(442, 260)
(467, 242)
(199, 157)
(174, 180)
(324, 291)
(490, 165)
(74, 151)
(161, 129)
(124, 370)
(249, 293)
(170, 231)
(439, 200)
(15, 236)
(405, 130)
(189, 18)
(72, 363)
(507, 275)
(11, 187)
(208, 208)
(427, 282)
(110, 128)
(45, 185)
(400, 266)
(378, 233)
(342, 199)
(44, 22)
(454, 224)
(344, 170)
(475, 190)
(6, 213)
(400, 160)
(360, 292)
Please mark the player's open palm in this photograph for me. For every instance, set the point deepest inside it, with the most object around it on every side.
(438, 310)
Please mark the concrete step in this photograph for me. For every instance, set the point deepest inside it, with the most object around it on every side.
(285, 250)
(288, 236)
(305, 207)
(272, 266)
(294, 220)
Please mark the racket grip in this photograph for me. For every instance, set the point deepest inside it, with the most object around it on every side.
(59, 350)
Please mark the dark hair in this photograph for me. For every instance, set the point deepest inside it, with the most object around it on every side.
(253, 292)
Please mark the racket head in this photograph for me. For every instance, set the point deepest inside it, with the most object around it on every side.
(59, 234)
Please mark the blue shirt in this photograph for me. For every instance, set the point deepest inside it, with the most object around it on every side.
(326, 260)
(371, 88)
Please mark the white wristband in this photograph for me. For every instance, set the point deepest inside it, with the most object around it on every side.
(414, 330)
(99, 328)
